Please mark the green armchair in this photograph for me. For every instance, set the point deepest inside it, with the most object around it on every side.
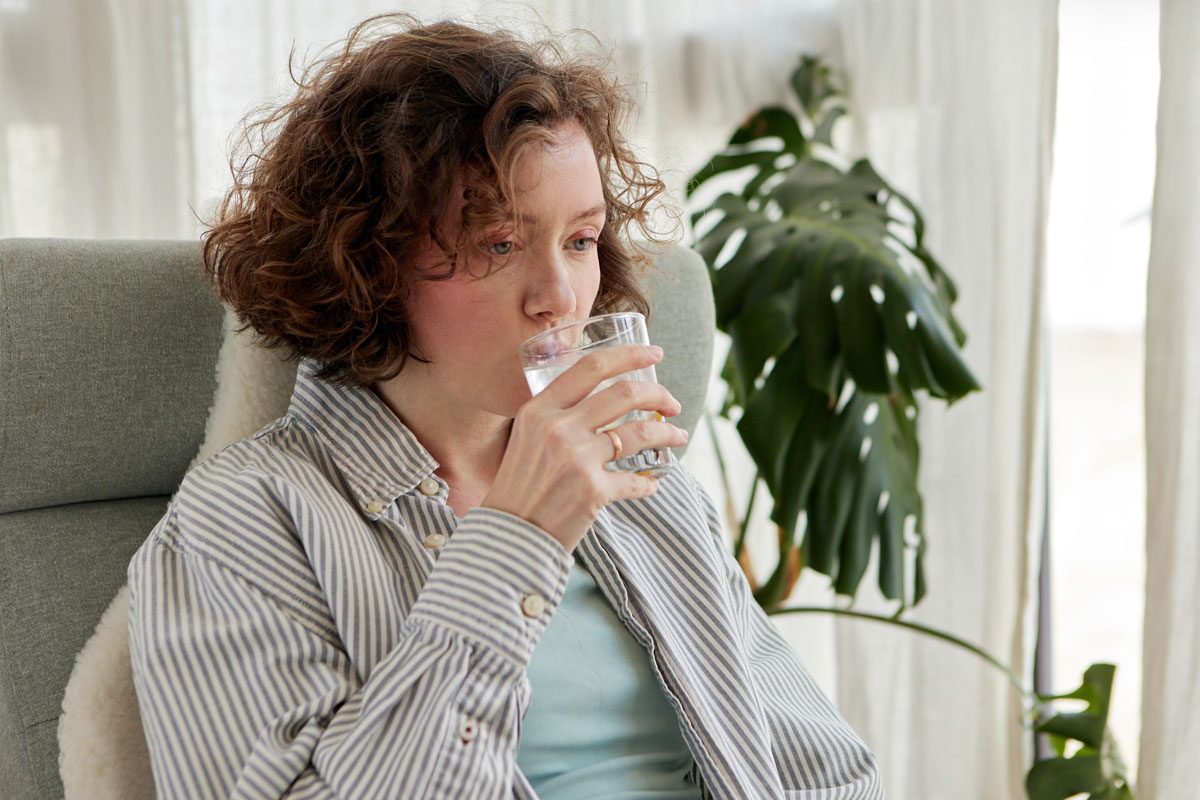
(110, 354)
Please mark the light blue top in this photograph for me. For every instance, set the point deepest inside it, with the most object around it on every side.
(598, 725)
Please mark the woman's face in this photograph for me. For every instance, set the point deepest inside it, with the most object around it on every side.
(547, 272)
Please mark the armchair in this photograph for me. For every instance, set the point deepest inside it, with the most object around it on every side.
(118, 372)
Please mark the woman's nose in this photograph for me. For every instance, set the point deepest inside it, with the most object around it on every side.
(551, 297)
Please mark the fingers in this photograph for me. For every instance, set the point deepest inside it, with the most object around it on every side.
(630, 485)
(582, 377)
(644, 434)
(620, 398)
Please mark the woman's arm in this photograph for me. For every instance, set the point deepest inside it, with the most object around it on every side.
(817, 753)
(243, 696)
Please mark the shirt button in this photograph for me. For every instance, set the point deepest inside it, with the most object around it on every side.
(532, 605)
(468, 730)
(428, 487)
(374, 507)
(434, 541)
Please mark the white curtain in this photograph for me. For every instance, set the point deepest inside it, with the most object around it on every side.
(93, 105)
(116, 116)
(696, 67)
(955, 103)
(1170, 737)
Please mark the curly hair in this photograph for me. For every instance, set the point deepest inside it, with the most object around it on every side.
(312, 246)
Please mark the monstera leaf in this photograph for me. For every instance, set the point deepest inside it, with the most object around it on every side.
(1095, 766)
(838, 316)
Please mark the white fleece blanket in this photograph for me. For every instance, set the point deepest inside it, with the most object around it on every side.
(102, 751)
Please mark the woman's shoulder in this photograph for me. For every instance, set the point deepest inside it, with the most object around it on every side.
(243, 514)
(277, 450)
(252, 490)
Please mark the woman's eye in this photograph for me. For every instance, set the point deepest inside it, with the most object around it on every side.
(500, 248)
(583, 244)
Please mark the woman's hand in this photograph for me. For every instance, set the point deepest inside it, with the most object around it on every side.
(552, 473)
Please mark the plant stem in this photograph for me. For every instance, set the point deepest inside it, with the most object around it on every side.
(737, 551)
(1013, 677)
(712, 434)
(716, 445)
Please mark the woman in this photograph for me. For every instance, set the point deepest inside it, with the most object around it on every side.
(420, 582)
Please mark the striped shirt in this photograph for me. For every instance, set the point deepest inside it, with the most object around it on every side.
(309, 619)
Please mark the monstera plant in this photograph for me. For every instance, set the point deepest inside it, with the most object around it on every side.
(838, 316)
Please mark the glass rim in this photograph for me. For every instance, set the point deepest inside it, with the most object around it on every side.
(522, 348)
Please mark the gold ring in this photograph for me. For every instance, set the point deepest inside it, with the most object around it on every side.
(616, 442)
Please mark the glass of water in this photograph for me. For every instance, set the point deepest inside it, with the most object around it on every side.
(550, 353)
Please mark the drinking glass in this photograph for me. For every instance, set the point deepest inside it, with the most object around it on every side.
(550, 353)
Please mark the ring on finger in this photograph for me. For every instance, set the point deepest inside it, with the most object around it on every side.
(616, 443)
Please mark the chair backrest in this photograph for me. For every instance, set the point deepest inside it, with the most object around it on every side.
(106, 374)
(108, 352)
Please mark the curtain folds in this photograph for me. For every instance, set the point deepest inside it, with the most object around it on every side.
(949, 115)
(1170, 736)
(118, 115)
(94, 119)
(117, 118)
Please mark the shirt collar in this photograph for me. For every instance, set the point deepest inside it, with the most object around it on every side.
(378, 455)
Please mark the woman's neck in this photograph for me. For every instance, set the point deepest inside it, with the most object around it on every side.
(468, 444)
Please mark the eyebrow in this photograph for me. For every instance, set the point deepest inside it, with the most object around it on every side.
(526, 219)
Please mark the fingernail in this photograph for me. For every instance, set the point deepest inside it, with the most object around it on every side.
(656, 350)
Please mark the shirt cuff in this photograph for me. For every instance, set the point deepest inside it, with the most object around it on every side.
(497, 581)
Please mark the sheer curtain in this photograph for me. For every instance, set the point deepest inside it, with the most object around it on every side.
(116, 119)
(697, 67)
(1170, 735)
(94, 118)
(956, 105)
(116, 114)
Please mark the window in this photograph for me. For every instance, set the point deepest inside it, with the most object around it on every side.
(1098, 247)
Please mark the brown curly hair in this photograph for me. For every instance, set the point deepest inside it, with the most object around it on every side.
(312, 247)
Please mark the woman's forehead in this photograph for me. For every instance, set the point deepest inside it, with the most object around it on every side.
(559, 184)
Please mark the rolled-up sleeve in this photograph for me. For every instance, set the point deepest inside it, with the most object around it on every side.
(245, 693)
